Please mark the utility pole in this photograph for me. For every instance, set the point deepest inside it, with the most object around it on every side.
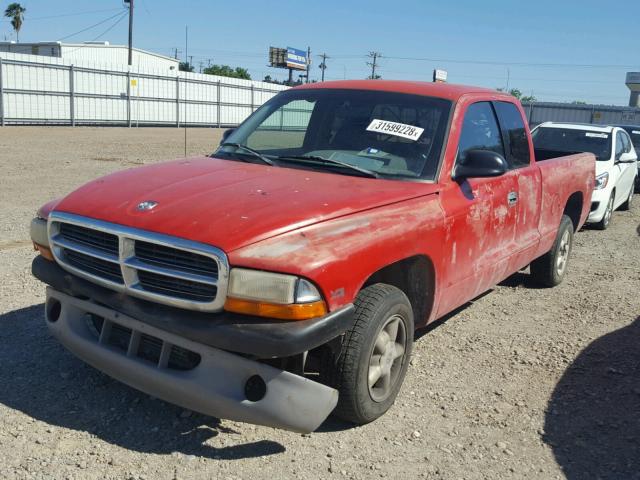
(323, 65)
(308, 62)
(176, 52)
(200, 63)
(130, 2)
(373, 64)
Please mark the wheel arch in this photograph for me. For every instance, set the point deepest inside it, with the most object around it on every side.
(415, 276)
(573, 209)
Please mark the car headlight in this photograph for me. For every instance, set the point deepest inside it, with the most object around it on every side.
(601, 181)
(39, 237)
(273, 295)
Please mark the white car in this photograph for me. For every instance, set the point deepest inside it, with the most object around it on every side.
(616, 165)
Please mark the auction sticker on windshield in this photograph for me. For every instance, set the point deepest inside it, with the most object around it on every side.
(596, 135)
(394, 128)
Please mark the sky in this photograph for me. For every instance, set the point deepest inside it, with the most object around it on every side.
(560, 50)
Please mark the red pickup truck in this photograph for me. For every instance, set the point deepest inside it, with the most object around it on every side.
(282, 277)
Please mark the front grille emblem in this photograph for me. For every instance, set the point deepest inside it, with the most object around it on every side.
(146, 205)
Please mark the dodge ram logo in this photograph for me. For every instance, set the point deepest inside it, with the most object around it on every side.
(146, 205)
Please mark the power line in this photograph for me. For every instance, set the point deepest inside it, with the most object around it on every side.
(90, 27)
(122, 17)
(512, 64)
(75, 14)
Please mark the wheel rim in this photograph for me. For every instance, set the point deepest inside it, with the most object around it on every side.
(387, 358)
(609, 211)
(563, 253)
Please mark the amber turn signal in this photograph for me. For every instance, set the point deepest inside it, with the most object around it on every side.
(44, 251)
(294, 311)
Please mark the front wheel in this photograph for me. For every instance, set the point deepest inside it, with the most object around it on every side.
(550, 268)
(606, 218)
(370, 367)
(627, 204)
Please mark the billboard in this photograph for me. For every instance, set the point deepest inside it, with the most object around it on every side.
(277, 57)
(296, 59)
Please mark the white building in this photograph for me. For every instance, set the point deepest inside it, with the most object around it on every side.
(94, 53)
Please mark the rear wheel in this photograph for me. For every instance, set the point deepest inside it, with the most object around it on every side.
(550, 268)
(627, 205)
(370, 367)
(606, 219)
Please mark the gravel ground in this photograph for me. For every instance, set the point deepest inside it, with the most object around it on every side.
(521, 383)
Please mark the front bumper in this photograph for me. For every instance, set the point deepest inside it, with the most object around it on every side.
(601, 198)
(216, 385)
(253, 336)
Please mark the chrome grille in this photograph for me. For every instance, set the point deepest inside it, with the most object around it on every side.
(144, 264)
(95, 266)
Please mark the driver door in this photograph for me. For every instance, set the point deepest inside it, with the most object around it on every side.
(480, 216)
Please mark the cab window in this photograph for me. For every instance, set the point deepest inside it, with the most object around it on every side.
(480, 131)
(515, 134)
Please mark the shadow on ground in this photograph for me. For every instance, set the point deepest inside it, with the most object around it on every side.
(593, 418)
(41, 379)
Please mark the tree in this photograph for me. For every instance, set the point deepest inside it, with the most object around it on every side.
(518, 94)
(185, 67)
(15, 12)
(578, 102)
(227, 71)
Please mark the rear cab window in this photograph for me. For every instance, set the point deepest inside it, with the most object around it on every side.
(515, 134)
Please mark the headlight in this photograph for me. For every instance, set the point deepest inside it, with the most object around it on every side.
(39, 237)
(274, 295)
(601, 181)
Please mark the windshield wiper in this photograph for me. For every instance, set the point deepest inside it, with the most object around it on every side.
(249, 150)
(328, 161)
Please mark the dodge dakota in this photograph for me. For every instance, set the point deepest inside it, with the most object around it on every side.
(281, 278)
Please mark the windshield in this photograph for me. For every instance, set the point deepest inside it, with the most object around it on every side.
(385, 134)
(568, 140)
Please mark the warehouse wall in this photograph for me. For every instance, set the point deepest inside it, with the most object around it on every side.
(540, 112)
(37, 90)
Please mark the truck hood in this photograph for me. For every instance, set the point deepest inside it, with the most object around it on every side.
(231, 204)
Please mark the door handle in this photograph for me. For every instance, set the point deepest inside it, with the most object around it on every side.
(512, 198)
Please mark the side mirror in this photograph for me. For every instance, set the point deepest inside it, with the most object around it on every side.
(480, 163)
(226, 134)
(627, 157)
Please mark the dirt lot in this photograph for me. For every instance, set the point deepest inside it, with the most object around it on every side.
(522, 383)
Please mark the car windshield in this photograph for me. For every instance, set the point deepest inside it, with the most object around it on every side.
(382, 134)
(570, 140)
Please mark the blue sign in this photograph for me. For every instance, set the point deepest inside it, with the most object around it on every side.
(296, 58)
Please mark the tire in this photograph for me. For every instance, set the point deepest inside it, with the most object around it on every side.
(377, 307)
(627, 205)
(550, 269)
(608, 213)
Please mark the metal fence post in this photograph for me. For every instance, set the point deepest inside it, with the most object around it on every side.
(1, 97)
(72, 111)
(252, 102)
(129, 99)
(177, 101)
(218, 103)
